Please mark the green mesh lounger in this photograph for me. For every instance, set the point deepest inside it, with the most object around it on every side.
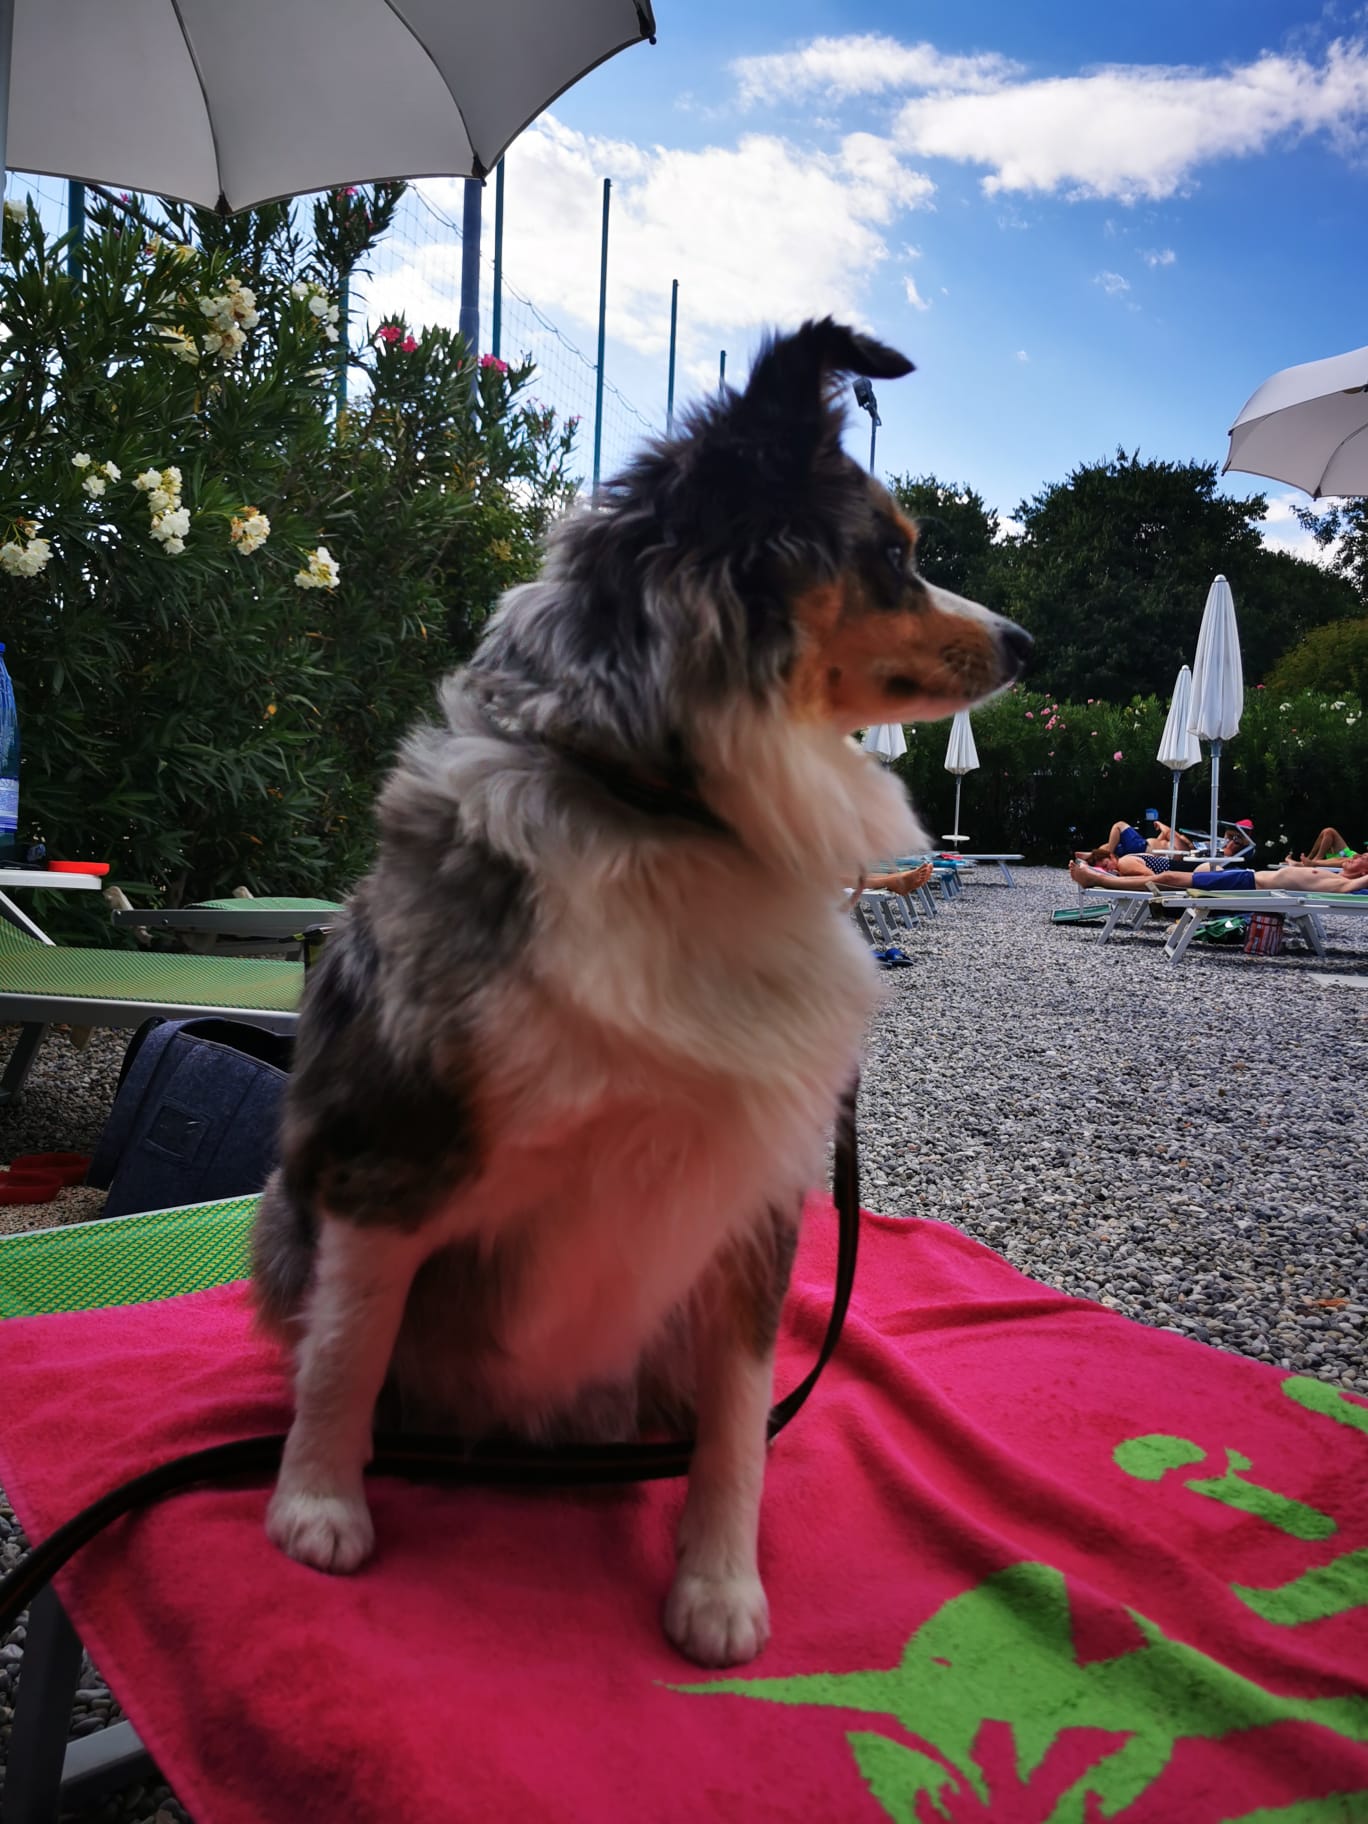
(129, 1260)
(42, 982)
(267, 919)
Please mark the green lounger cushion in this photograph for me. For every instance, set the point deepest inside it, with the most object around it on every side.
(30, 968)
(130, 1260)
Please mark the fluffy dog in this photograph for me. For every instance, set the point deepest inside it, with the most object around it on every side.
(567, 1067)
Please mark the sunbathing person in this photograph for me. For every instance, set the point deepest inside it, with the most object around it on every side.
(1141, 866)
(1125, 843)
(909, 881)
(1327, 851)
(1352, 878)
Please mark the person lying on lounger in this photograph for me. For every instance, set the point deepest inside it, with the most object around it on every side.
(1352, 878)
(1140, 866)
(1125, 843)
(1329, 850)
(906, 883)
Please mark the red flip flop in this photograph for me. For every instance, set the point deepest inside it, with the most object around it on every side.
(68, 1168)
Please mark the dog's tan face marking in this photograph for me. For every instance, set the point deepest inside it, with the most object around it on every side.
(878, 644)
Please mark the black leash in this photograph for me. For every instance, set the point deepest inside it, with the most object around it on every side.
(447, 1459)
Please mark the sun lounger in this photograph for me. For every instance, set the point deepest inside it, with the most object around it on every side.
(267, 919)
(1001, 861)
(42, 983)
(1303, 910)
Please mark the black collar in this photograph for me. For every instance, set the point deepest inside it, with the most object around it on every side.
(673, 794)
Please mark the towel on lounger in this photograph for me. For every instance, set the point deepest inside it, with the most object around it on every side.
(1026, 1561)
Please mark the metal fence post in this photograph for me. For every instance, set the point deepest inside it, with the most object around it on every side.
(496, 327)
(76, 228)
(470, 268)
(602, 332)
(6, 50)
(674, 335)
(722, 372)
(343, 309)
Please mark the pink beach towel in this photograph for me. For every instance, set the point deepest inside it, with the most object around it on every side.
(1027, 1562)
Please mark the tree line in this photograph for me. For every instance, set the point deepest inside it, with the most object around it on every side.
(1110, 570)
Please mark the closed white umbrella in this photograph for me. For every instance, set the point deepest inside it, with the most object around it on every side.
(961, 757)
(886, 739)
(229, 106)
(1217, 685)
(1308, 425)
(1179, 748)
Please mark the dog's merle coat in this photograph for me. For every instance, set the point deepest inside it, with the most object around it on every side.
(565, 1070)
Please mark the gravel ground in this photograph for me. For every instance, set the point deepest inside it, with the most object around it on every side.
(1184, 1144)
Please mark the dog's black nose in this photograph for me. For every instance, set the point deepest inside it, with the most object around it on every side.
(1016, 643)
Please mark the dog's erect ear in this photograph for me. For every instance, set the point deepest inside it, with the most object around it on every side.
(805, 362)
(788, 407)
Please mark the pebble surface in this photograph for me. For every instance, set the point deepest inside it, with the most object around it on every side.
(1185, 1144)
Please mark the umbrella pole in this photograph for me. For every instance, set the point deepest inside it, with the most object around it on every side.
(959, 781)
(1173, 814)
(1215, 798)
(6, 49)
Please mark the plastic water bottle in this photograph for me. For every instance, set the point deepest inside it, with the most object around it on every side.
(9, 769)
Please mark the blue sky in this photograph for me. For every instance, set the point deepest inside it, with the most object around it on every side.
(1089, 226)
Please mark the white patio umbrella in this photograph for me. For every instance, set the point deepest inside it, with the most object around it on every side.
(886, 739)
(1217, 685)
(1308, 425)
(1179, 748)
(229, 106)
(961, 757)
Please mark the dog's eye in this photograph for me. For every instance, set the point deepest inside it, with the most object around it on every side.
(897, 558)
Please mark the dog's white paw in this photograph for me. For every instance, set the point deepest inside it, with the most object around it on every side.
(717, 1621)
(329, 1532)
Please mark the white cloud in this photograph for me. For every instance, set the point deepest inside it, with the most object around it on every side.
(760, 234)
(1112, 283)
(1163, 256)
(914, 297)
(1135, 132)
(868, 64)
(1021, 355)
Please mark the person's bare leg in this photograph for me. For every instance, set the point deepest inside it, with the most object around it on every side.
(1329, 842)
(1083, 874)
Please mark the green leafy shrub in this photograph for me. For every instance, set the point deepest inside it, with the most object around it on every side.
(223, 608)
(1333, 658)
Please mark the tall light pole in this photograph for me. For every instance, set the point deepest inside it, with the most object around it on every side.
(864, 398)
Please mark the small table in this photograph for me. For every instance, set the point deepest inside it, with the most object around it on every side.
(48, 880)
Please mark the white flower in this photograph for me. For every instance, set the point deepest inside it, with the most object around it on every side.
(171, 478)
(93, 486)
(149, 479)
(250, 531)
(16, 212)
(1284, 706)
(331, 334)
(299, 289)
(174, 524)
(113, 471)
(1350, 720)
(25, 560)
(174, 546)
(1337, 706)
(158, 500)
(80, 461)
(321, 572)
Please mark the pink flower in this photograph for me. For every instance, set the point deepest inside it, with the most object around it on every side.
(1116, 756)
(500, 367)
(408, 345)
(1258, 687)
(350, 190)
(1050, 755)
(389, 332)
(1092, 731)
(1091, 699)
(1030, 715)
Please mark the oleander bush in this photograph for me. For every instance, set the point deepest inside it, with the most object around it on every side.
(224, 600)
